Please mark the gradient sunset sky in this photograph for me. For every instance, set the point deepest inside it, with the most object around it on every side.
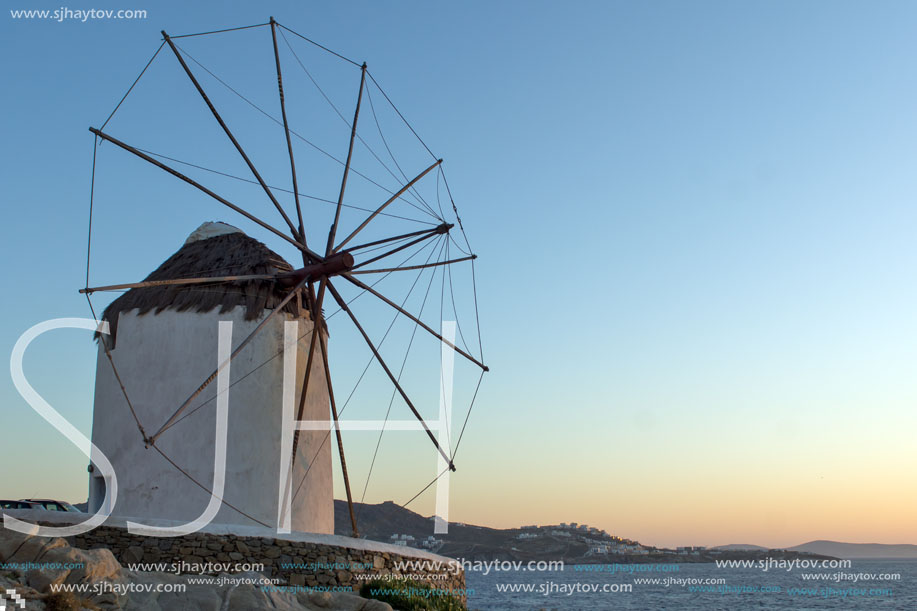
(695, 223)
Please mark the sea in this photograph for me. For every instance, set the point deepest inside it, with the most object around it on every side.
(865, 584)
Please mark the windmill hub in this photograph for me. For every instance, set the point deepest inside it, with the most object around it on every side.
(333, 265)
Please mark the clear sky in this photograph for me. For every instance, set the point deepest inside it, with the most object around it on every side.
(695, 225)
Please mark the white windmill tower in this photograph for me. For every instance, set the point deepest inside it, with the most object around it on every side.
(164, 339)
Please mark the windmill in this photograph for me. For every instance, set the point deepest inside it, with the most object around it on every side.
(345, 257)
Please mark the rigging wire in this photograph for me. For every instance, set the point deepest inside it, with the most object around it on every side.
(459, 246)
(114, 370)
(381, 246)
(404, 362)
(442, 317)
(281, 189)
(205, 489)
(454, 308)
(92, 191)
(382, 91)
(244, 27)
(439, 203)
(131, 88)
(425, 488)
(320, 46)
(278, 122)
(455, 209)
(372, 78)
(468, 415)
(477, 314)
(413, 189)
(342, 117)
(365, 369)
(303, 336)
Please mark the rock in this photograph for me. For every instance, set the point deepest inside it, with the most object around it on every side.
(19, 547)
(322, 600)
(132, 555)
(87, 567)
(341, 602)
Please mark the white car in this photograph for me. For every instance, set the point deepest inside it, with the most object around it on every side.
(8, 504)
(51, 505)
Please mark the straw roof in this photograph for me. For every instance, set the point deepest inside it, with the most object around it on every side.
(220, 252)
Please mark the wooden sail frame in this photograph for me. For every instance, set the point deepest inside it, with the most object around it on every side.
(316, 268)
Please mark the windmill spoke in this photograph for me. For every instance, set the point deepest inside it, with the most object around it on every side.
(438, 231)
(394, 239)
(278, 308)
(353, 135)
(316, 331)
(343, 305)
(286, 129)
(232, 138)
(178, 281)
(370, 289)
(337, 431)
(196, 184)
(410, 267)
(329, 266)
(385, 205)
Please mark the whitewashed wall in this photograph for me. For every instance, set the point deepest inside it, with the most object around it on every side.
(162, 358)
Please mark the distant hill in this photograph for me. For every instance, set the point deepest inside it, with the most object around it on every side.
(857, 550)
(379, 522)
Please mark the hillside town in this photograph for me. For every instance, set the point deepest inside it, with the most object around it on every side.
(601, 543)
(598, 542)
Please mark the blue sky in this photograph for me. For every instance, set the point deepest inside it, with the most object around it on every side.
(695, 226)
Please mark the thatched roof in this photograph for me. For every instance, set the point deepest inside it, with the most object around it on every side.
(214, 249)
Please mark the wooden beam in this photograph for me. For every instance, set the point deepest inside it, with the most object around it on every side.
(286, 129)
(232, 138)
(353, 135)
(385, 205)
(178, 281)
(410, 267)
(196, 184)
(370, 289)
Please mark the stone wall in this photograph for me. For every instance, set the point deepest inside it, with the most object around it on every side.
(322, 565)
